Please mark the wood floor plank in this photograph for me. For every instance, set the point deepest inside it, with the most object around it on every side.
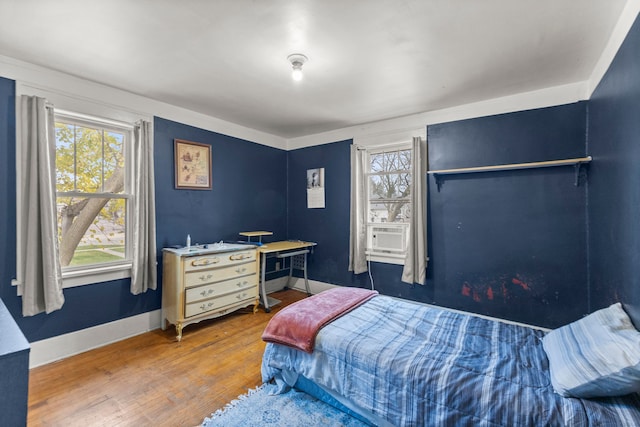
(151, 379)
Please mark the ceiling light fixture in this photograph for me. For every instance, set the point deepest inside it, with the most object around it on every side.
(297, 60)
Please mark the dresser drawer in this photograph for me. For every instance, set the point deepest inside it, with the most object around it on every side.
(202, 277)
(212, 304)
(204, 262)
(220, 288)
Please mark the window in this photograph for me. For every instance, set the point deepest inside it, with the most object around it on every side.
(388, 202)
(93, 192)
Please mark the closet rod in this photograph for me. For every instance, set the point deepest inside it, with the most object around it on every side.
(512, 166)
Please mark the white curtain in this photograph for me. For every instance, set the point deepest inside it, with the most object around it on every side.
(415, 262)
(143, 272)
(358, 214)
(39, 275)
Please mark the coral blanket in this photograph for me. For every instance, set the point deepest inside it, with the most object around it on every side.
(298, 324)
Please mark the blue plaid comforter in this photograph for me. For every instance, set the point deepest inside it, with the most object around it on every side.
(415, 365)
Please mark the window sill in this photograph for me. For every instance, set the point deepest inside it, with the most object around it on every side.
(397, 259)
(73, 278)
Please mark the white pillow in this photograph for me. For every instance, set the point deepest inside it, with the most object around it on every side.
(598, 355)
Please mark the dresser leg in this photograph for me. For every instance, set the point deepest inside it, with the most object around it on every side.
(179, 331)
(255, 306)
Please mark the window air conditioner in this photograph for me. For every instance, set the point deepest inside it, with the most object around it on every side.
(386, 238)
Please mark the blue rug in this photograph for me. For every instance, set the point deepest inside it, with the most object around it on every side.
(294, 408)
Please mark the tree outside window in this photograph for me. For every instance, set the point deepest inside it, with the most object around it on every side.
(390, 186)
(91, 196)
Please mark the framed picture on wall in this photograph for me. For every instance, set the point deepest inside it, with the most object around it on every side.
(193, 165)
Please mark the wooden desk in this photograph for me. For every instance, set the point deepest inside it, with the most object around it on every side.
(283, 249)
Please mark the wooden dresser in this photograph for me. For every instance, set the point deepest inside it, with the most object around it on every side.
(207, 281)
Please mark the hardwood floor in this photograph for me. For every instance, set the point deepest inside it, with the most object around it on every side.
(153, 380)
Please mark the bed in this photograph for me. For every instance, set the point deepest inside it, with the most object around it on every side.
(392, 362)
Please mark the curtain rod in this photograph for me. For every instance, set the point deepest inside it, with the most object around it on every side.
(382, 147)
(87, 117)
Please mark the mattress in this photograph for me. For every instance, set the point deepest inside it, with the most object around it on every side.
(410, 364)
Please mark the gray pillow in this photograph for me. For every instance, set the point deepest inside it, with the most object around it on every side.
(598, 355)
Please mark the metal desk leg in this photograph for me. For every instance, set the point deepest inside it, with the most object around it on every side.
(288, 286)
(263, 291)
(306, 281)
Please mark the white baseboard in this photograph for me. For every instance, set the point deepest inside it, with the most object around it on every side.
(314, 286)
(317, 287)
(298, 284)
(62, 346)
(275, 285)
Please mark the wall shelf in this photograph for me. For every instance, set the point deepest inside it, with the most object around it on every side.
(576, 162)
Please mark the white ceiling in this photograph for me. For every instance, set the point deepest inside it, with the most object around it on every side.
(368, 60)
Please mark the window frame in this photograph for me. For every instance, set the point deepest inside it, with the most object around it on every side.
(113, 270)
(389, 257)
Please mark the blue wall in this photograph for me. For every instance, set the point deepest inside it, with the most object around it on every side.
(85, 306)
(549, 251)
(329, 227)
(526, 245)
(248, 193)
(8, 194)
(14, 354)
(508, 244)
(614, 181)
(511, 244)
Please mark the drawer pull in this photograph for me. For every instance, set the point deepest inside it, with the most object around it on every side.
(203, 307)
(239, 257)
(241, 284)
(240, 296)
(205, 293)
(241, 270)
(204, 261)
(207, 277)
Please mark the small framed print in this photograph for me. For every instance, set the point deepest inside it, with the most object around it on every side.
(315, 188)
(193, 165)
